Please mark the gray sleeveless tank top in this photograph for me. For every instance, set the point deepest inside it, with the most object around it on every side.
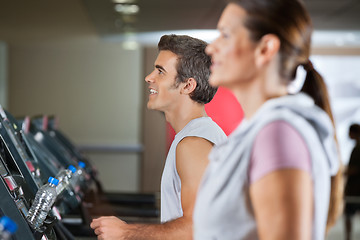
(203, 127)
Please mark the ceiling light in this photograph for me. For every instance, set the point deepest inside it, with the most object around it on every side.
(127, 9)
(124, 1)
(130, 45)
(130, 42)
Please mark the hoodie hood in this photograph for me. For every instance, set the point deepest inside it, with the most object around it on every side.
(225, 187)
(303, 105)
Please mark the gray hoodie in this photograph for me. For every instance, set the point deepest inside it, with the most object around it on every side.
(223, 209)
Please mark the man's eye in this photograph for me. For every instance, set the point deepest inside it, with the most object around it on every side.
(224, 35)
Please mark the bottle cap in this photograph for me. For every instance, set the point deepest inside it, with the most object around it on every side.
(81, 164)
(8, 224)
(53, 181)
(72, 168)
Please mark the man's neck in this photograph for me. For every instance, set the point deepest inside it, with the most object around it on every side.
(181, 117)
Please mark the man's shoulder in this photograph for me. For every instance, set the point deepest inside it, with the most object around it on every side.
(206, 126)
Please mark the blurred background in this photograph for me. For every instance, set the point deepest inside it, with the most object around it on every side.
(85, 62)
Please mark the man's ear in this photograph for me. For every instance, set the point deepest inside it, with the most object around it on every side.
(189, 86)
(267, 49)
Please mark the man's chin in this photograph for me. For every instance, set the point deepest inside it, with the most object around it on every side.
(150, 106)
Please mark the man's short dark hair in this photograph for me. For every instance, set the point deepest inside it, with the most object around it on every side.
(193, 62)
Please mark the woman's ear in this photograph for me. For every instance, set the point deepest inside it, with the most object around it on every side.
(189, 86)
(267, 49)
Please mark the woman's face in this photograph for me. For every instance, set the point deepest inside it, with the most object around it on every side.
(232, 53)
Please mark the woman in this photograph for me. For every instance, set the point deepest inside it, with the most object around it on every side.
(271, 178)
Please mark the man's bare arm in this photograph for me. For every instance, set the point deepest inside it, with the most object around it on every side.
(191, 161)
(107, 228)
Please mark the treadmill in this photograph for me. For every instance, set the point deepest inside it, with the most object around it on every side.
(50, 124)
(142, 205)
(18, 161)
(18, 189)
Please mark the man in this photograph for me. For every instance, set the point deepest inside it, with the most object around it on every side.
(179, 87)
(352, 187)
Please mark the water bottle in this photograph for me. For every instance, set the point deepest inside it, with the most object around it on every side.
(78, 178)
(81, 171)
(7, 228)
(64, 177)
(44, 199)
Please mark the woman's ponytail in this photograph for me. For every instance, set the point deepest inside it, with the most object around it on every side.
(315, 87)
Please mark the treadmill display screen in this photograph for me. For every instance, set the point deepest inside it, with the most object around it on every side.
(3, 171)
(15, 141)
(7, 158)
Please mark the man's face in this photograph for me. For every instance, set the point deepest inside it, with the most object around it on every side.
(163, 91)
